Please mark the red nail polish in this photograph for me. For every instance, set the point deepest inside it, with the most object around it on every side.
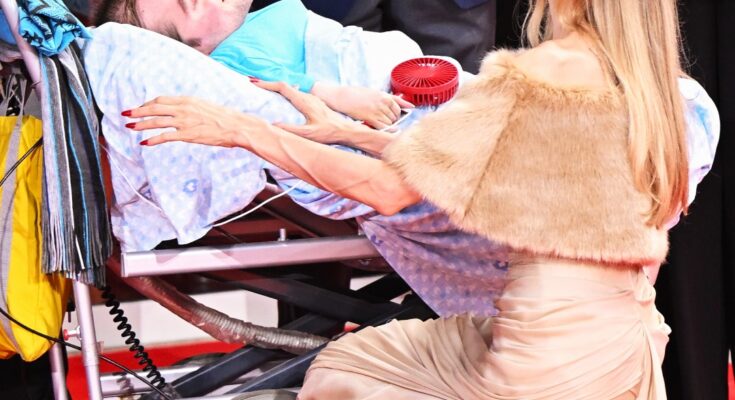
(253, 79)
(130, 125)
(144, 143)
(126, 113)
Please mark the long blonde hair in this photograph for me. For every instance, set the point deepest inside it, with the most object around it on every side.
(640, 41)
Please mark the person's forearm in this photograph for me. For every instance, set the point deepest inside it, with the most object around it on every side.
(326, 92)
(350, 175)
(364, 138)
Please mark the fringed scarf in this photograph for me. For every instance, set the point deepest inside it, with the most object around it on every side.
(76, 228)
(75, 224)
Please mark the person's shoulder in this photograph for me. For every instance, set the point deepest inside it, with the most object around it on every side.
(552, 64)
(499, 61)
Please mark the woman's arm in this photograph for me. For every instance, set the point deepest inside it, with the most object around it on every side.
(367, 139)
(350, 175)
(349, 133)
(378, 109)
(324, 125)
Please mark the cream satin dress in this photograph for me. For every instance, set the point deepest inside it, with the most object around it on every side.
(565, 330)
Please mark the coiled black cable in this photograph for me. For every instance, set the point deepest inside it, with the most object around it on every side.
(126, 331)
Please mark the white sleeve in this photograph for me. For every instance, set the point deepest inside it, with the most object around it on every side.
(703, 134)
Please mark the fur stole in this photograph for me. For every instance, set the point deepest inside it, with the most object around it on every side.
(540, 168)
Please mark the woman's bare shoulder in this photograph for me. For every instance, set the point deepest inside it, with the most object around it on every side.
(560, 65)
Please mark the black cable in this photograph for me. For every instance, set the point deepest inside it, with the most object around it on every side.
(73, 346)
(131, 340)
(15, 166)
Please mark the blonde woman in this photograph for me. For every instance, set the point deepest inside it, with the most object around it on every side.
(572, 153)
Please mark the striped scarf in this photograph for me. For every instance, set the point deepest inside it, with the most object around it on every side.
(75, 223)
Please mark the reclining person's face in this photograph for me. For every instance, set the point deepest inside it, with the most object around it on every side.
(201, 24)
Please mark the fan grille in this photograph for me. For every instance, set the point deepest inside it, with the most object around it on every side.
(425, 81)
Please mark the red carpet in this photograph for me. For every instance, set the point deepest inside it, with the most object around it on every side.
(167, 355)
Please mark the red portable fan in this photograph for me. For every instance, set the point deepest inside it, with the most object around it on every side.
(425, 81)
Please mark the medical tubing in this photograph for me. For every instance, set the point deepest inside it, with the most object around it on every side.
(221, 326)
(259, 336)
(126, 331)
(259, 206)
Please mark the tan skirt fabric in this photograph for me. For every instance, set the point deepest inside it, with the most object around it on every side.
(565, 330)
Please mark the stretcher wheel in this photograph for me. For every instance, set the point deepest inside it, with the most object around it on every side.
(425, 81)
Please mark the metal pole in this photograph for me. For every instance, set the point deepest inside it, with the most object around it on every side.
(249, 255)
(88, 338)
(33, 65)
(58, 377)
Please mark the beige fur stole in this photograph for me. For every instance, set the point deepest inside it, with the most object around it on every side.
(540, 168)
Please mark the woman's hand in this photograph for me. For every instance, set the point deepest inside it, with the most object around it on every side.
(195, 121)
(323, 124)
(377, 109)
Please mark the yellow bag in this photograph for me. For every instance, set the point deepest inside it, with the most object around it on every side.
(31, 297)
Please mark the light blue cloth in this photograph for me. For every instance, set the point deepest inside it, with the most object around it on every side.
(270, 45)
(185, 188)
(48, 25)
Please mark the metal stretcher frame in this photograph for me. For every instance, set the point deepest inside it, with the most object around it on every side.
(228, 368)
(227, 264)
(370, 305)
(326, 241)
(243, 256)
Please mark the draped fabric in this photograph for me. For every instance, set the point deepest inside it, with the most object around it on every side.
(538, 347)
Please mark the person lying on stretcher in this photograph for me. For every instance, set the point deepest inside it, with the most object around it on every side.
(267, 44)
